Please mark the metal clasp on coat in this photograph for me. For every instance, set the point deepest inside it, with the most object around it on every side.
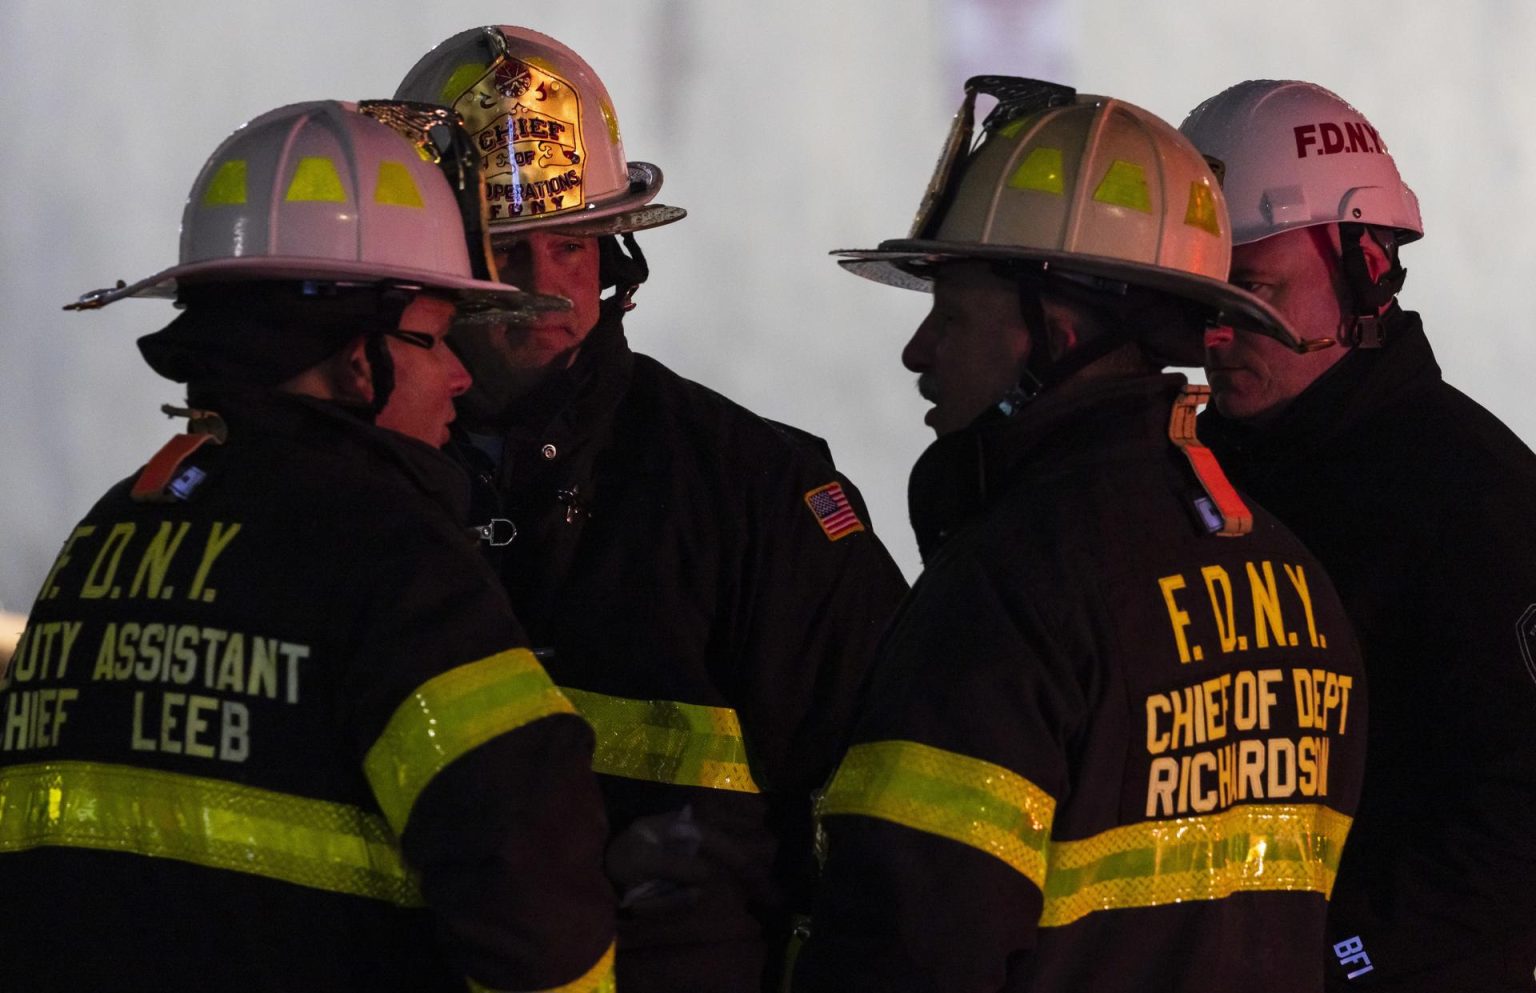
(575, 508)
(496, 532)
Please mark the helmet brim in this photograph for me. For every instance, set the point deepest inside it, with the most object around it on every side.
(477, 299)
(632, 211)
(908, 263)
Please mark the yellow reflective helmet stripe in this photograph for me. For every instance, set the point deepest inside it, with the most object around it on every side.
(227, 187)
(1125, 185)
(1201, 212)
(1247, 848)
(954, 796)
(316, 179)
(598, 979)
(395, 186)
(209, 822)
(610, 121)
(451, 714)
(1041, 170)
(663, 741)
(1244, 849)
(462, 78)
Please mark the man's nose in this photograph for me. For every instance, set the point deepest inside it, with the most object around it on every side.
(459, 379)
(1218, 337)
(917, 354)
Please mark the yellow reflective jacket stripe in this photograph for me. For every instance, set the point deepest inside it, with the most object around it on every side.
(207, 822)
(451, 714)
(598, 979)
(662, 741)
(1248, 848)
(967, 800)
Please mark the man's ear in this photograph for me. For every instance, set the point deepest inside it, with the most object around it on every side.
(1062, 332)
(345, 376)
(1376, 262)
(354, 376)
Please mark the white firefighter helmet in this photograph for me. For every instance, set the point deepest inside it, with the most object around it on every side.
(546, 130)
(323, 191)
(1297, 155)
(1075, 184)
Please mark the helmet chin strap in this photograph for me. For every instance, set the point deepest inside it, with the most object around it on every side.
(1363, 328)
(624, 272)
(1037, 377)
(1040, 373)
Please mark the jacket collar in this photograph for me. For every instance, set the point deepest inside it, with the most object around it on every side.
(963, 474)
(343, 435)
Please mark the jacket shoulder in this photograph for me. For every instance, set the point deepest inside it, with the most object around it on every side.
(1434, 446)
(701, 412)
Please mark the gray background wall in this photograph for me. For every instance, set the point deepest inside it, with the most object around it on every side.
(786, 129)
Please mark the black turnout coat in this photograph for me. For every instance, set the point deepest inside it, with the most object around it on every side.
(1419, 503)
(1106, 749)
(281, 731)
(707, 589)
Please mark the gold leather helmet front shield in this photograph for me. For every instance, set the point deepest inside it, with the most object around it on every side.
(546, 132)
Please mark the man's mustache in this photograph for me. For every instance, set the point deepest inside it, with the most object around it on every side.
(928, 387)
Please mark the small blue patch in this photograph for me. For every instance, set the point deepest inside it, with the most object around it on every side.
(1209, 515)
(184, 485)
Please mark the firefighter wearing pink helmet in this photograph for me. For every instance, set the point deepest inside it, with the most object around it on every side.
(272, 725)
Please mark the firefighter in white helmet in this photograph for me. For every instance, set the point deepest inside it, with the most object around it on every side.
(702, 582)
(1088, 761)
(1417, 500)
(272, 725)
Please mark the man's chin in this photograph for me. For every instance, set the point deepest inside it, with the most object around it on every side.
(943, 422)
(494, 392)
(1237, 404)
(537, 346)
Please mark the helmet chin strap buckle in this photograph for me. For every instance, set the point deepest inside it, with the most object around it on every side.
(1019, 395)
(1363, 328)
(1364, 331)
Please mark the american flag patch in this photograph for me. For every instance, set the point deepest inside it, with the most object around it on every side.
(830, 505)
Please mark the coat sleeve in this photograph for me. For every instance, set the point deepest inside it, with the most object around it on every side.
(819, 592)
(822, 588)
(483, 769)
(938, 819)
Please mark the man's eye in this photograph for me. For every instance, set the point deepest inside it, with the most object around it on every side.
(418, 338)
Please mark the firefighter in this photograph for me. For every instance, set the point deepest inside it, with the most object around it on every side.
(272, 724)
(1417, 500)
(701, 582)
(1115, 734)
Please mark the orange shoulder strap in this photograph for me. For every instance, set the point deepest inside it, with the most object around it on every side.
(155, 478)
(1236, 518)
